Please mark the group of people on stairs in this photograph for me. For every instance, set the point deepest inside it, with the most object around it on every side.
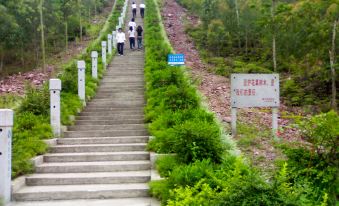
(134, 31)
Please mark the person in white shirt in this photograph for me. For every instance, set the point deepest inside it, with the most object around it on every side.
(134, 9)
(142, 9)
(131, 34)
(121, 38)
(132, 24)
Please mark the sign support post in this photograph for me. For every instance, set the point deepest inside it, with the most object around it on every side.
(6, 125)
(234, 121)
(275, 121)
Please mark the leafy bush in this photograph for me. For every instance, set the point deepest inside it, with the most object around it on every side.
(36, 101)
(28, 131)
(165, 164)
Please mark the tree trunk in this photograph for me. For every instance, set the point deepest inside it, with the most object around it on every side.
(66, 35)
(238, 22)
(79, 2)
(1, 61)
(274, 52)
(42, 35)
(246, 43)
(333, 73)
(95, 8)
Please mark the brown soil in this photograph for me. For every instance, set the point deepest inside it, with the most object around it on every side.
(216, 89)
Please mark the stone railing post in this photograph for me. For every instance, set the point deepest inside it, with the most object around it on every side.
(114, 38)
(109, 42)
(55, 88)
(103, 53)
(81, 80)
(6, 125)
(94, 56)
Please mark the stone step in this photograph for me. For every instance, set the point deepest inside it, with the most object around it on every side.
(85, 167)
(126, 100)
(88, 178)
(117, 103)
(123, 79)
(81, 148)
(107, 133)
(102, 140)
(103, 112)
(108, 122)
(112, 116)
(141, 201)
(122, 119)
(97, 156)
(113, 109)
(130, 72)
(69, 192)
(106, 127)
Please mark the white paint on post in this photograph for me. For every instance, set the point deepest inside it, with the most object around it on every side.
(109, 42)
(275, 121)
(234, 121)
(54, 89)
(94, 56)
(6, 125)
(81, 80)
(114, 38)
(103, 53)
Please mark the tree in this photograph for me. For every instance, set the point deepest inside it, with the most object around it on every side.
(41, 2)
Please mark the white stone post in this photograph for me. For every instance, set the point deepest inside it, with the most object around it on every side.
(120, 21)
(234, 121)
(103, 53)
(81, 80)
(114, 38)
(6, 125)
(94, 56)
(109, 42)
(54, 90)
(117, 28)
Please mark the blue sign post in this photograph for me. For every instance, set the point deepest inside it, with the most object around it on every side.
(176, 59)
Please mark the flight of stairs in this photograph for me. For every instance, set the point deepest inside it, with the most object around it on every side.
(103, 157)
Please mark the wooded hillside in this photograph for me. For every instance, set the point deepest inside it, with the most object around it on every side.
(32, 29)
(294, 38)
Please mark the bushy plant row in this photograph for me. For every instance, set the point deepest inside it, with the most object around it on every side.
(204, 170)
(177, 120)
(31, 123)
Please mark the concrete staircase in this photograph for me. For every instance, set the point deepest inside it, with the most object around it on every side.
(102, 158)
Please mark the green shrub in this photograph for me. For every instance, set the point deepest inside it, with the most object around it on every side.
(28, 131)
(198, 140)
(292, 92)
(36, 101)
(165, 164)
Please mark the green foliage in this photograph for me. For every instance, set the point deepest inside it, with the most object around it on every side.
(166, 164)
(28, 131)
(36, 101)
(9, 101)
(70, 106)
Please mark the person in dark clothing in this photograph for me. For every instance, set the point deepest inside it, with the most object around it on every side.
(139, 34)
(131, 34)
(120, 40)
(142, 9)
(134, 9)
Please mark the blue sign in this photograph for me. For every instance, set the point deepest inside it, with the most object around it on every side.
(176, 59)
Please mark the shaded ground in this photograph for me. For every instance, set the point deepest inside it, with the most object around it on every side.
(254, 137)
(15, 84)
